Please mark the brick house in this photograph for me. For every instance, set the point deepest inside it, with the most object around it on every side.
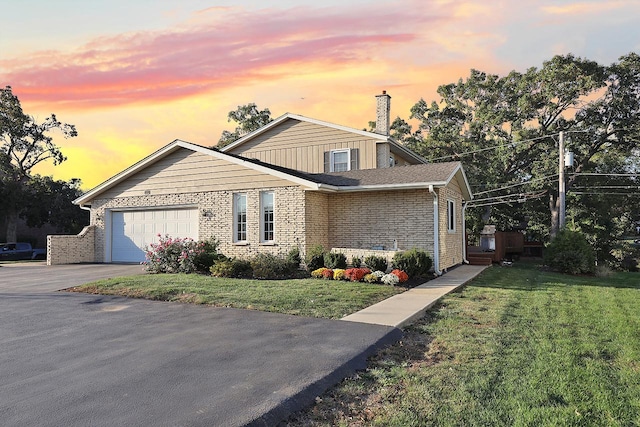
(296, 182)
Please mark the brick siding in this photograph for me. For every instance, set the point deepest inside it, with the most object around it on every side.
(65, 249)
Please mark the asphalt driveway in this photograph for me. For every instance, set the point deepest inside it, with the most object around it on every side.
(75, 360)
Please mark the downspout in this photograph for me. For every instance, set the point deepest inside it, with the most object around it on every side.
(436, 233)
(464, 234)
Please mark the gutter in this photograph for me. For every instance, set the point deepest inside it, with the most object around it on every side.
(464, 235)
(436, 233)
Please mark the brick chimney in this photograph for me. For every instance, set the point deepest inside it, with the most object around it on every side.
(383, 113)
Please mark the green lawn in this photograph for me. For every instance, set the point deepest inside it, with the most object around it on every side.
(304, 297)
(517, 347)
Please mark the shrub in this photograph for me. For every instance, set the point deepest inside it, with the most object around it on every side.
(269, 266)
(293, 259)
(356, 262)
(327, 274)
(376, 262)
(570, 252)
(319, 272)
(402, 276)
(172, 255)
(390, 279)
(315, 257)
(338, 274)
(231, 267)
(415, 262)
(378, 273)
(356, 274)
(335, 260)
(209, 255)
(371, 278)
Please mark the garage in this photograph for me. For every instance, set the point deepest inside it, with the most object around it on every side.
(132, 231)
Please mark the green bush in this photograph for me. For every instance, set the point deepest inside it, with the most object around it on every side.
(376, 263)
(231, 267)
(414, 262)
(269, 266)
(209, 255)
(293, 259)
(335, 260)
(570, 252)
(356, 262)
(315, 257)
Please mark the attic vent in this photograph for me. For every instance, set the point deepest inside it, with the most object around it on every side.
(146, 192)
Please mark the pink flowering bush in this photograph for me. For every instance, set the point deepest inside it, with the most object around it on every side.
(172, 255)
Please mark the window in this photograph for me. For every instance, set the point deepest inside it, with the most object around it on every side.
(267, 224)
(239, 217)
(392, 161)
(451, 216)
(340, 160)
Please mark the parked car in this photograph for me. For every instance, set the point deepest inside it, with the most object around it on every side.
(20, 251)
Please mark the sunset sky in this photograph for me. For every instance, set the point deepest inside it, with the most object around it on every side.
(135, 75)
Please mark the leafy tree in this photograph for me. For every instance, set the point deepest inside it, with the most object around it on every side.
(505, 130)
(249, 118)
(25, 144)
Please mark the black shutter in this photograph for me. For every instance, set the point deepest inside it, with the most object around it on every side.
(355, 161)
(327, 162)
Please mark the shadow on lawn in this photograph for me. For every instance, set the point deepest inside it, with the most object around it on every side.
(533, 276)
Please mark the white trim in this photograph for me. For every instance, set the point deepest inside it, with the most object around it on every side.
(451, 216)
(234, 209)
(464, 234)
(332, 163)
(262, 240)
(436, 233)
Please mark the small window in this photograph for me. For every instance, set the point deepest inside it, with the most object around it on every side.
(239, 217)
(451, 216)
(392, 161)
(267, 222)
(340, 160)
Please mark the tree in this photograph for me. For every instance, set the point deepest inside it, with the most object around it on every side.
(25, 144)
(505, 130)
(249, 118)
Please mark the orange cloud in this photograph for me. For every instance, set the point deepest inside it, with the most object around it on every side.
(234, 48)
(582, 8)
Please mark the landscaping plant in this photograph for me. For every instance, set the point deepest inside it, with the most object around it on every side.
(315, 257)
(173, 255)
(335, 260)
(375, 262)
(414, 262)
(570, 252)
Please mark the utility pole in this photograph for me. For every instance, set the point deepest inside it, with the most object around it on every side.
(561, 184)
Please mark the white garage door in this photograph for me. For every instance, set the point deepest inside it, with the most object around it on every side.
(131, 231)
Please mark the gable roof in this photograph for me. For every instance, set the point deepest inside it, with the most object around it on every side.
(289, 116)
(402, 177)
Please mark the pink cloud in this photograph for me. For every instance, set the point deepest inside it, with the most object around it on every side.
(232, 47)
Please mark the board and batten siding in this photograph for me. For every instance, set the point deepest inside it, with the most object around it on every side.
(186, 171)
(301, 145)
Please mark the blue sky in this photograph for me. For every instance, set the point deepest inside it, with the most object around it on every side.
(135, 75)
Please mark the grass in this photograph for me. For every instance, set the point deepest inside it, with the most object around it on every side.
(517, 347)
(304, 297)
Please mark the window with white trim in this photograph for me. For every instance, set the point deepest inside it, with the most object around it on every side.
(451, 216)
(240, 217)
(340, 160)
(267, 218)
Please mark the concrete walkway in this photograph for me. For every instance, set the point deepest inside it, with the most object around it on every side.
(404, 308)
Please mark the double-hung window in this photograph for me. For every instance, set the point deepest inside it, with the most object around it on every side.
(240, 217)
(267, 220)
(451, 216)
(340, 160)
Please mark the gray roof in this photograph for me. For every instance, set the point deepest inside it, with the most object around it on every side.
(413, 174)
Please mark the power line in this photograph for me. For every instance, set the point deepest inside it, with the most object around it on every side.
(511, 144)
(517, 185)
